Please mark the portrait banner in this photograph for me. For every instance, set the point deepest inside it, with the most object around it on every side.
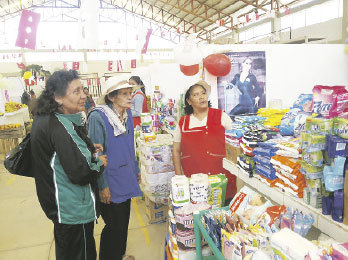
(243, 90)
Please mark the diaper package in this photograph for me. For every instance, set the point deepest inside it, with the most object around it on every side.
(248, 205)
(334, 175)
(287, 244)
(336, 146)
(325, 100)
(342, 104)
(313, 158)
(338, 205)
(300, 123)
(310, 171)
(340, 127)
(318, 125)
(288, 121)
(304, 102)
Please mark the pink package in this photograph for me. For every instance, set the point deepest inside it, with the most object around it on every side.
(340, 251)
(325, 100)
(342, 104)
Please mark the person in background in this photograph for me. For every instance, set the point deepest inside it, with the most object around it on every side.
(65, 167)
(32, 94)
(139, 102)
(199, 138)
(89, 105)
(32, 101)
(250, 91)
(111, 125)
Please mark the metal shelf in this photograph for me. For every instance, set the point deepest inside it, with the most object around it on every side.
(322, 222)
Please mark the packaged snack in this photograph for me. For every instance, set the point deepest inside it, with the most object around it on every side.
(340, 127)
(325, 100)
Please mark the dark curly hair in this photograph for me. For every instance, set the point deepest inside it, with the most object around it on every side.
(139, 82)
(188, 108)
(56, 85)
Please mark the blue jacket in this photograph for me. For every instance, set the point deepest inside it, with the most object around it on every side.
(122, 170)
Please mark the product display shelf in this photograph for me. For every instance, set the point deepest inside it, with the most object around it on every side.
(199, 232)
(322, 222)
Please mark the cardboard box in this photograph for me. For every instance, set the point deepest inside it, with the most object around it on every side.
(232, 152)
(156, 213)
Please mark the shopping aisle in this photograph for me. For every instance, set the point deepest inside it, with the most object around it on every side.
(26, 233)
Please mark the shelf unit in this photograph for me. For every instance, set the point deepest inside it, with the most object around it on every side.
(322, 222)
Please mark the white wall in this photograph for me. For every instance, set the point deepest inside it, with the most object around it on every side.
(294, 69)
(290, 70)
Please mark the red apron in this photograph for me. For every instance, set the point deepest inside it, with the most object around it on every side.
(203, 148)
(136, 120)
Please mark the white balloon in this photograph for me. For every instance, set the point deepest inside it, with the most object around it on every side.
(187, 53)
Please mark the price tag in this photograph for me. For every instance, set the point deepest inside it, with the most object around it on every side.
(340, 146)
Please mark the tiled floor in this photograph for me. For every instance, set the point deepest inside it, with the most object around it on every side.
(26, 233)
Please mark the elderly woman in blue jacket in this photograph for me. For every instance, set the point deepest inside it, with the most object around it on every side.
(111, 124)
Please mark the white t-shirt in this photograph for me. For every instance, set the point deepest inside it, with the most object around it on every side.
(226, 122)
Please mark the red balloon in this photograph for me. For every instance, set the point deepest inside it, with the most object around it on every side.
(217, 64)
(189, 70)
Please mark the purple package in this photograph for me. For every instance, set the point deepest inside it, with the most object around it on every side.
(326, 205)
(337, 208)
(336, 146)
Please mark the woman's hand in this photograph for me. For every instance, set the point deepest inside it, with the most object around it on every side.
(103, 158)
(98, 147)
(105, 195)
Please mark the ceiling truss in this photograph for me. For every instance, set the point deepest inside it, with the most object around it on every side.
(169, 19)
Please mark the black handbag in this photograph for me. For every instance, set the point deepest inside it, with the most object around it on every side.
(18, 160)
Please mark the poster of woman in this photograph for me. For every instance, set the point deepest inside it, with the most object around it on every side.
(243, 90)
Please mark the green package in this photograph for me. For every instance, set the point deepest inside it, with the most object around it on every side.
(318, 125)
(340, 127)
(217, 194)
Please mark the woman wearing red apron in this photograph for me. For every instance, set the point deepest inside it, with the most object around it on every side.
(139, 103)
(199, 138)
